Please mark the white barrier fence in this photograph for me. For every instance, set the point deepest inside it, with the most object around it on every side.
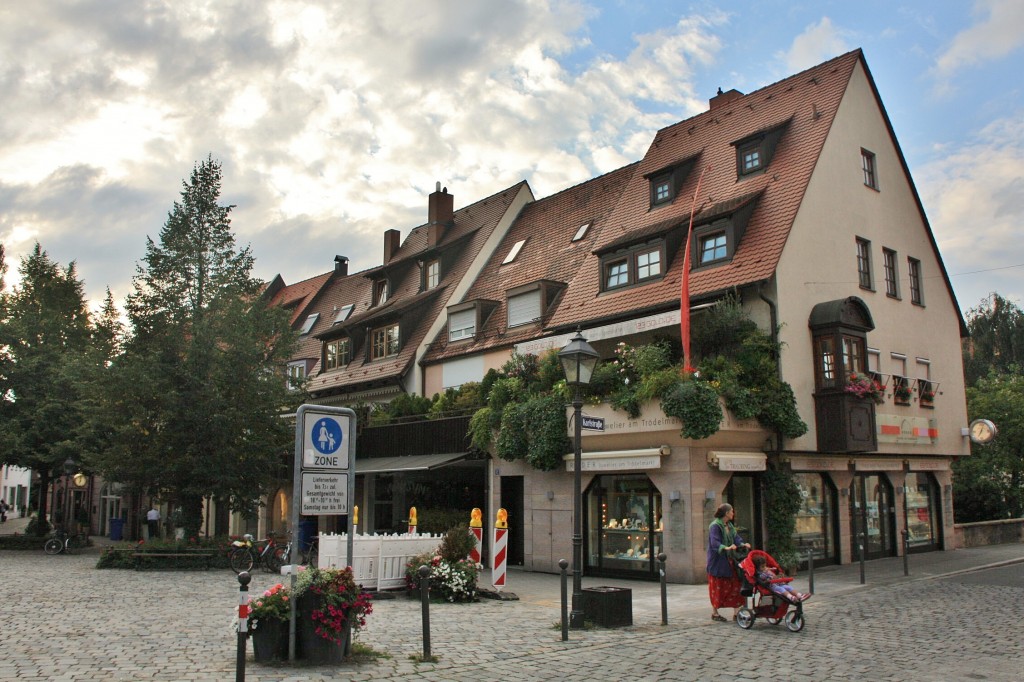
(378, 560)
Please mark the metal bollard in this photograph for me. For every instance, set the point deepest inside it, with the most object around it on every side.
(810, 570)
(906, 551)
(863, 544)
(243, 623)
(425, 603)
(664, 590)
(564, 565)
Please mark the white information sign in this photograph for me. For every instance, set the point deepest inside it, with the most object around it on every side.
(324, 444)
(324, 493)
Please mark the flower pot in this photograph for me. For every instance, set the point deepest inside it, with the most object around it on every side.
(309, 645)
(270, 640)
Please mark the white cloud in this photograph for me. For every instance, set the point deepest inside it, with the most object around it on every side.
(818, 42)
(975, 199)
(999, 32)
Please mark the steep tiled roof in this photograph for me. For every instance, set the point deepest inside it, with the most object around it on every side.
(299, 295)
(546, 227)
(471, 227)
(805, 104)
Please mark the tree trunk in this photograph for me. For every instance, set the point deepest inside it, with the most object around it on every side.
(192, 509)
(41, 527)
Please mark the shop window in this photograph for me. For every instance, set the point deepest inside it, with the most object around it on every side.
(924, 525)
(624, 526)
(872, 517)
(743, 492)
(815, 522)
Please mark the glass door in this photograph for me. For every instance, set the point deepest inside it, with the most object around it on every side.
(623, 533)
(744, 494)
(922, 500)
(872, 516)
(816, 520)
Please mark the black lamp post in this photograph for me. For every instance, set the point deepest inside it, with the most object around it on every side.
(69, 471)
(578, 361)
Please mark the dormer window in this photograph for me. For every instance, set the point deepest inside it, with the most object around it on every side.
(308, 324)
(665, 183)
(296, 375)
(380, 291)
(530, 302)
(432, 274)
(343, 313)
(633, 266)
(337, 353)
(713, 247)
(754, 152)
(384, 342)
(462, 324)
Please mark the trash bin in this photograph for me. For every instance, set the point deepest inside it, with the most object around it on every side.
(307, 529)
(116, 529)
(609, 607)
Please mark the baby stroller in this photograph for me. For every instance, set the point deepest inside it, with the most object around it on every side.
(761, 602)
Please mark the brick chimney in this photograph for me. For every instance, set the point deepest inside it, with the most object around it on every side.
(723, 98)
(340, 266)
(392, 240)
(440, 211)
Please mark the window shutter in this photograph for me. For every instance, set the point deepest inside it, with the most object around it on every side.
(524, 308)
(462, 325)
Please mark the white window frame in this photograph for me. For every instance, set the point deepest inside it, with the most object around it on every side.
(524, 308)
(462, 325)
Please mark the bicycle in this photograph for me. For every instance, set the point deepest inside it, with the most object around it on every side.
(62, 541)
(248, 553)
(308, 557)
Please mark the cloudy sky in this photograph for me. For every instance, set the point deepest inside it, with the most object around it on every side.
(333, 120)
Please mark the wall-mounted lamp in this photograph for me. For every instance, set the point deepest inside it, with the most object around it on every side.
(675, 496)
(900, 489)
(550, 495)
(665, 450)
(709, 494)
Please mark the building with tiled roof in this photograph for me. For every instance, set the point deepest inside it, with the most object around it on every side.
(804, 209)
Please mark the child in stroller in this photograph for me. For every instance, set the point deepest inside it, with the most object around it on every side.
(769, 596)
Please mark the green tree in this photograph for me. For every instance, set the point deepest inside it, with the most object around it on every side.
(44, 336)
(193, 403)
(990, 483)
(996, 328)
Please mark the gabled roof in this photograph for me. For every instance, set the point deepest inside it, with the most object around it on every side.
(462, 241)
(805, 104)
(298, 296)
(547, 227)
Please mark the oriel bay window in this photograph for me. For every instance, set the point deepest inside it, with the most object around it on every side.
(384, 342)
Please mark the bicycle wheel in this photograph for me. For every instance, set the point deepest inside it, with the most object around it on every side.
(240, 559)
(276, 559)
(74, 543)
(53, 546)
(313, 555)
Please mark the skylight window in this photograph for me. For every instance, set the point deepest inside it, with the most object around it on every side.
(343, 313)
(308, 324)
(580, 233)
(514, 252)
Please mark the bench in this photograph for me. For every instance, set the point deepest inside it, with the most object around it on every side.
(142, 559)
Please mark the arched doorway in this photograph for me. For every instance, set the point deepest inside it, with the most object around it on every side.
(872, 516)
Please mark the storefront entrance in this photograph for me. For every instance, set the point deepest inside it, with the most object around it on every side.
(744, 494)
(816, 522)
(623, 533)
(872, 513)
(922, 509)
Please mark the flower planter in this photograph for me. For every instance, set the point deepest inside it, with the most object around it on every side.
(270, 640)
(310, 646)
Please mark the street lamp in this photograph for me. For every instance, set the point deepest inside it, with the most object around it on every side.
(578, 361)
(69, 470)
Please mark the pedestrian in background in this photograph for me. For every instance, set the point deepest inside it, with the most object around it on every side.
(723, 580)
(153, 521)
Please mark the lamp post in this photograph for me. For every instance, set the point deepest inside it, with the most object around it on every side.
(578, 361)
(69, 470)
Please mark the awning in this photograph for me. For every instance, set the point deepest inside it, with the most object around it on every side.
(618, 460)
(737, 461)
(386, 465)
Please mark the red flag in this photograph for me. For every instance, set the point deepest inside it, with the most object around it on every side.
(684, 294)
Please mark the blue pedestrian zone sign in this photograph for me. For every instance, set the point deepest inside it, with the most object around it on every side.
(324, 444)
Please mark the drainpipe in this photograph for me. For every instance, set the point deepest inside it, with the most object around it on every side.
(773, 317)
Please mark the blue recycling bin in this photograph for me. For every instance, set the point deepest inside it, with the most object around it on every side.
(116, 529)
(307, 530)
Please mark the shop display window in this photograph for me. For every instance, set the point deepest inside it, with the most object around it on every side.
(922, 511)
(624, 526)
(815, 522)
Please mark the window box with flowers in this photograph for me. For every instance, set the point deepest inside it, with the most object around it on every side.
(926, 391)
(866, 387)
(325, 601)
(901, 390)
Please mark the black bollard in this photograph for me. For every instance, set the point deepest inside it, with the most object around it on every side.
(906, 551)
(564, 565)
(863, 545)
(810, 570)
(425, 603)
(243, 623)
(664, 590)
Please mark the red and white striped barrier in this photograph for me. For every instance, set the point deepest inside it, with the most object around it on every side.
(476, 528)
(500, 550)
(243, 612)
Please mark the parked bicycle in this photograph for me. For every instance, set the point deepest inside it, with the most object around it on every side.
(249, 552)
(308, 557)
(62, 541)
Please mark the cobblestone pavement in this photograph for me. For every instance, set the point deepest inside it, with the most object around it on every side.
(64, 620)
